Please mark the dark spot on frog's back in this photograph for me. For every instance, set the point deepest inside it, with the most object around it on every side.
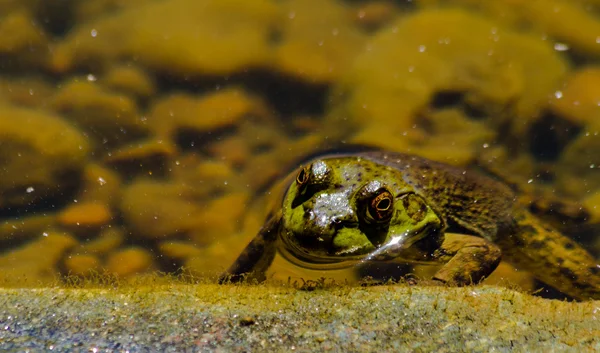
(568, 273)
(536, 244)
(414, 207)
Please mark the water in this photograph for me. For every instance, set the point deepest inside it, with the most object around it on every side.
(143, 136)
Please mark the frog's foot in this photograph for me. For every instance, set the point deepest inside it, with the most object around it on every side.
(425, 282)
(468, 259)
(239, 278)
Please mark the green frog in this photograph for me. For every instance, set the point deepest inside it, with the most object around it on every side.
(347, 210)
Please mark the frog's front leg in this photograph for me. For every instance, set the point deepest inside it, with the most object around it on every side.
(467, 259)
(258, 255)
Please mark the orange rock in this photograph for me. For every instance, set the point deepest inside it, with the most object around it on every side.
(158, 210)
(147, 156)
(214, 170)
(205, 113)
(129, 261)
(221, 218)
(36, 262)
(108, 116)
(179, 250)
(173, 36)
(80, 265)
(86, 214)
(23, 38)
(579, 100)
(26, 91)
(39, 151)
(317, 46)
(130, 80)
(234, 150)
(26, 227)
(441, 50)
(100, 185)
(108, 240)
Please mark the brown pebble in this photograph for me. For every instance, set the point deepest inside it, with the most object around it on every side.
(80, 265)
(129, 261)
(247, 321)
(86, 214)
(178, 250)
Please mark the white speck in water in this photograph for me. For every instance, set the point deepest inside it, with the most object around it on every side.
(101, 181)
(225, 182)
(485, 145)
(561, 47)
(335, 31)
(529, 181)
(94, 32)
(292, 15)
(592, 166)
(30, 189)
(91, 78)
(45, 234)
(422, 48)
(31, 92)
(598, 40)
(75, 200)
(558, 94)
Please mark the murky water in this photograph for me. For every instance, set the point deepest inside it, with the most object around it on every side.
(144, 136)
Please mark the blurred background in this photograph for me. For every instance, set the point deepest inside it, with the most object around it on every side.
(141, 136)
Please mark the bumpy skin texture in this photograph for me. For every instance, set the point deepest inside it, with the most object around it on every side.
(383, 206)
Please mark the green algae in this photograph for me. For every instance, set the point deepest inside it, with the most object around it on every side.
(206, 317)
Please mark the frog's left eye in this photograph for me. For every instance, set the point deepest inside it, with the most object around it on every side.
(302, 177)
(380, 207)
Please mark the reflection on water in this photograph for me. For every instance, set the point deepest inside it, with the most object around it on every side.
(142, 136)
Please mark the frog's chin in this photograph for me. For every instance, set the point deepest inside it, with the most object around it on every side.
(314, 260)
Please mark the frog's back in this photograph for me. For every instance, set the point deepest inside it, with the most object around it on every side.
(466, 199)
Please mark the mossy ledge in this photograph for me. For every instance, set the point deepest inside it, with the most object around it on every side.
(208, 317)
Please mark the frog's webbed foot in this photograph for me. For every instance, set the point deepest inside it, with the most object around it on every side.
(256, 258)
(468, 259)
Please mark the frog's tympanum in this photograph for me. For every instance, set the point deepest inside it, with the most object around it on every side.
(342, 211)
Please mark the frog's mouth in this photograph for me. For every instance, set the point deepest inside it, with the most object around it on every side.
(399, 247)
(314, 258)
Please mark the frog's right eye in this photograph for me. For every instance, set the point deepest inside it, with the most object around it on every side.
(302, 177)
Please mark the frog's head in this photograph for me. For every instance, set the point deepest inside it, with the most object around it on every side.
(342, 210)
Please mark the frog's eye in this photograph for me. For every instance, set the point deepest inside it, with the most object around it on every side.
(302, 177)
(380, 207)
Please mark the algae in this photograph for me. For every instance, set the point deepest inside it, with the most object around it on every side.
(208, 317)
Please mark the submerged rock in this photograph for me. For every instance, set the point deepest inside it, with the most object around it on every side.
(40, 153)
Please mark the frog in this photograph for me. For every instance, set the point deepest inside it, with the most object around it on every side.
(345, 210)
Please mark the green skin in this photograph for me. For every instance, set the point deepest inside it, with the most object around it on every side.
(431, 212)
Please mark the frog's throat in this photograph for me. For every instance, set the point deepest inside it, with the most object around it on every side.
(293, 253)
